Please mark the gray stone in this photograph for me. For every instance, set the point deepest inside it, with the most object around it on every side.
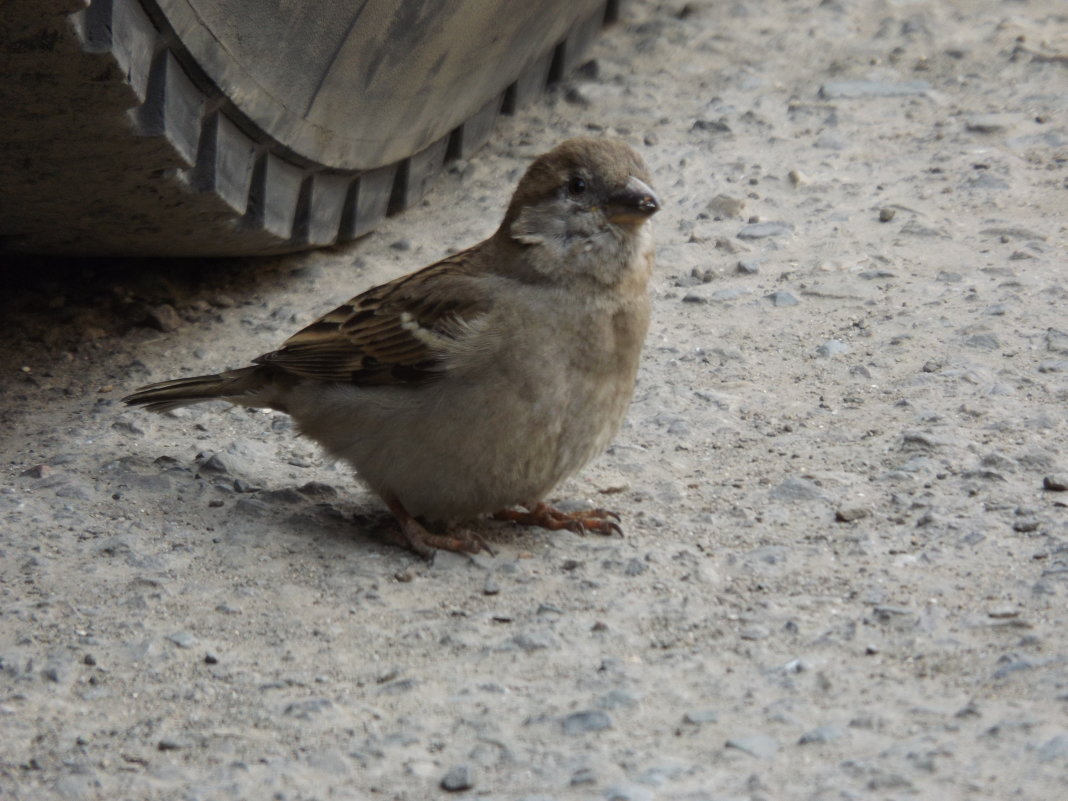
(38, 471)
(163, 318)
(307, 707)
(849, 89)
(796, 489)
(1008, 232)
(913, 228)
(589, 720)
(821, 734)
(754, 633)
(697, 717)
(719, 126)
(183, 639)
(725, 206)
(1054, 749)
(80, 786)
(1057, 341)
(317, 490)
(59, 669)
(459, 777)
(850, 514)
(728, 294)
(986, 180)
(983, 342)
(583, 776)
(832, 347)
(1055, 483)
(830, 141)
(398, 687)
(764, 230)
(749, 266)
(172, 744)
(533, 640)
(782, 298)
(628, 792)
(212, 463)
(616, 699)
(758, 745)
(286, 495)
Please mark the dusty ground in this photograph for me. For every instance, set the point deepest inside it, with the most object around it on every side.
(842, 578)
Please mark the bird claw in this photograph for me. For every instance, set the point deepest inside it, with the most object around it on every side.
(415, 537)
(597, 521)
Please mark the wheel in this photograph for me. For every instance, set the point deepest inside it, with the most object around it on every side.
(228, 127)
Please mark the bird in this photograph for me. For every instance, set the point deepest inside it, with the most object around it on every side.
(472, 387)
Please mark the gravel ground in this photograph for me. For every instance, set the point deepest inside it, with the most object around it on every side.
(842, 480)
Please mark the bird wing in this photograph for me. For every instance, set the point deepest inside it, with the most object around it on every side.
(396, 333)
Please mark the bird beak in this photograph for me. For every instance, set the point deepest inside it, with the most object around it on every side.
(634, 205)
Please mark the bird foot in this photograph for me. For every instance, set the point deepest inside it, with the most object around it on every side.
(599, 521)
(415, 537)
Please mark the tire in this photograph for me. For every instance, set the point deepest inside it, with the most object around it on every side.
(196, 128)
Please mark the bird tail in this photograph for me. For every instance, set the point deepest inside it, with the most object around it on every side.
(244, 387)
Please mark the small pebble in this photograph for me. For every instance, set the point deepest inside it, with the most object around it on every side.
(458, 778)
(848, 514)
(628, 792)
(886, 214)
(583, 776)
(765, 230)
(698, 716)
(211, 463)
(183, 639)
(1055, 749)
(849, 89)
(1055, 483)
(590, 720)
(821, 734)
(759, 745)
(1057, 341)
(164, 318)
(832, 347)
(725, 206)
(719, 126)
(222, 301)
(782, 298)
(988, 123)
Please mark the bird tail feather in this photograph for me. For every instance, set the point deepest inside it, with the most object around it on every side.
(236, 386)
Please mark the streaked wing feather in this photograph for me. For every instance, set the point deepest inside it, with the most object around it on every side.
(396, 333)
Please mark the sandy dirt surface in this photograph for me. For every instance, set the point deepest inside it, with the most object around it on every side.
(845, 570)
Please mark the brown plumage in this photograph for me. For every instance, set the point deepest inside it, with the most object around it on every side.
(478, 383)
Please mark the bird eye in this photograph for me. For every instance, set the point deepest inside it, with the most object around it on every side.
(577, 185)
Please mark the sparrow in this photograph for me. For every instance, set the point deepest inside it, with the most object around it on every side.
(475, 385)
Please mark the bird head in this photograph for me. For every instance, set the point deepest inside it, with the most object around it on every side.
(582, 208)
